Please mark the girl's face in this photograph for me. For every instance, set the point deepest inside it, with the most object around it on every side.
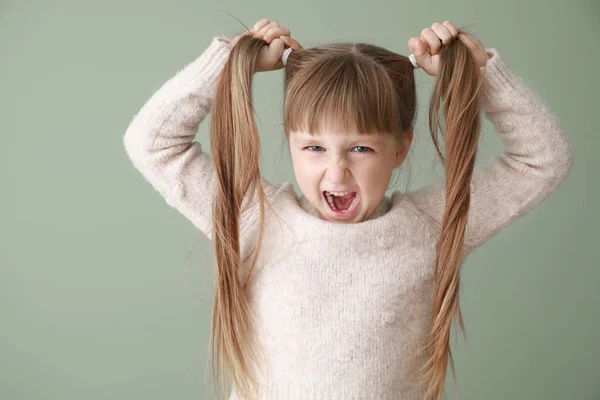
(358, 164)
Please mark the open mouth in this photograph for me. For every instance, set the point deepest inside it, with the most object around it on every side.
(341, 203)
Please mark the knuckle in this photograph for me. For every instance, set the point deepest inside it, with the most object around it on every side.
(450, 26)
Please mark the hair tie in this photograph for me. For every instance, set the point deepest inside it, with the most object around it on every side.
(285, 55)
(413, 61)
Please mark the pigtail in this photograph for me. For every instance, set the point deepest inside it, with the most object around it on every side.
(235, 149)
(455, 92)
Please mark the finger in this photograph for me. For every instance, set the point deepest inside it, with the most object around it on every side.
(265, 29)
(442, 32)
(276, 47)
(291, 42)
(275, 32)
(259, 25)
(452, 28)
(420, 49)
(270, 55)
(417, 46)
(432, 40)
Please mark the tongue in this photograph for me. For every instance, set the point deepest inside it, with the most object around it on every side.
(343, 202)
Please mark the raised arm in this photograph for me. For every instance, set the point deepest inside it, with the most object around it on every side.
(536, 159)
(160, 138)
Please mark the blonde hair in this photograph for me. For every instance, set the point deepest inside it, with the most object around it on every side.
(332, 86)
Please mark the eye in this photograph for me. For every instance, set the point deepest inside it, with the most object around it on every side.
(314, 148)
(360, 149)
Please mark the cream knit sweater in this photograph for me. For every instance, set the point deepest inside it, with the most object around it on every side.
(343, 308)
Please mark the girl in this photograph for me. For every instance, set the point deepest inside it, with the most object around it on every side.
(343, 292)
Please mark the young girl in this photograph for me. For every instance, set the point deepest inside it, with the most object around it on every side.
(343, 293)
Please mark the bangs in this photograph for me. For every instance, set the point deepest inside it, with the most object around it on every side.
(343, 94)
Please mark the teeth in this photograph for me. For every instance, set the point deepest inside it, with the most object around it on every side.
(330, 200)
(338, 193)
(328, 195)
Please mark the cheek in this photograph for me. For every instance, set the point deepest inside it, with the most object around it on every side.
(305, 173)
(374, 174)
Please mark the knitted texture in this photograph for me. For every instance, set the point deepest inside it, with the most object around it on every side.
(343, 309)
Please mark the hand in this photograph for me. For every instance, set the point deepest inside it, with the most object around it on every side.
(427, 47)
(277, 39)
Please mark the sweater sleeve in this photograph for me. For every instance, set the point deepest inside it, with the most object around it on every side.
(160, 138)
(536, 159)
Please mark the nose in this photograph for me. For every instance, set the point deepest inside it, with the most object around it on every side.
(337, 171)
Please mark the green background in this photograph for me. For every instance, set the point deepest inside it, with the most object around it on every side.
(106, 291)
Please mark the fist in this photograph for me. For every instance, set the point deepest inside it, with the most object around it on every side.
(277, 39)
(426, 48)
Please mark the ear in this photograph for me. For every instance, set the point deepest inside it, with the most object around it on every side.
(403, 147)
